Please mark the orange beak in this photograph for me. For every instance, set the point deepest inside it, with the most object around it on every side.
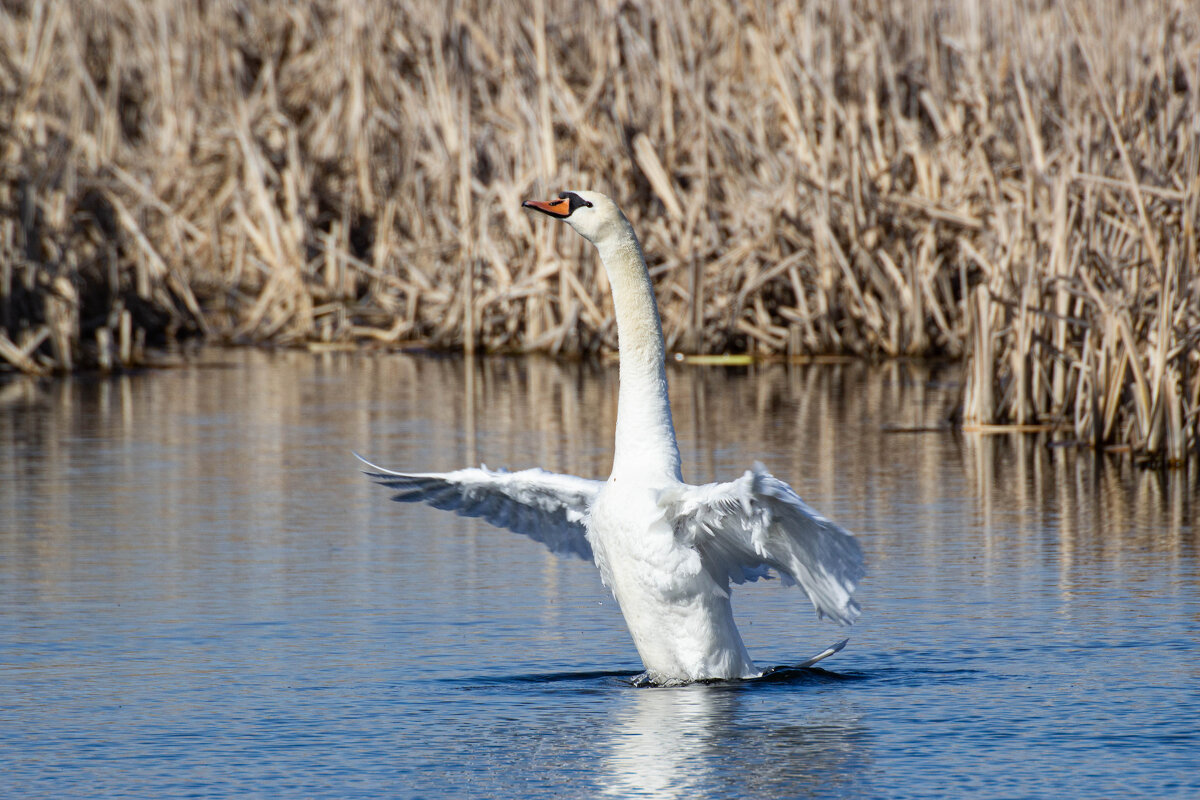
(555, 208)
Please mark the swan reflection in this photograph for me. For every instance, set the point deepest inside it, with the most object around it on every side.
(709, 740)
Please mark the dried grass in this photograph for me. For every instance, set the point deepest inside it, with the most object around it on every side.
(1012, 183)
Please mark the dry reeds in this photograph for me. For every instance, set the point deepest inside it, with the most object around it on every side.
(1015, 183)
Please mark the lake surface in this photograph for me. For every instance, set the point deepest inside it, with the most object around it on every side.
(201, 596)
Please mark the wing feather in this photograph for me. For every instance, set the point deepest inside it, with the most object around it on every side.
(743, 527)
(545, 506)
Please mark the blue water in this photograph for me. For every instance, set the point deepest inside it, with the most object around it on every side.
(200, 596)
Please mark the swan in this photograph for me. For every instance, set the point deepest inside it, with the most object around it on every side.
(667, 550)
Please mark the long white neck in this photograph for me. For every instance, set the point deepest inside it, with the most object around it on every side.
(645, 446)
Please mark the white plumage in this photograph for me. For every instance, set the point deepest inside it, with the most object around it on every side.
(667, 550)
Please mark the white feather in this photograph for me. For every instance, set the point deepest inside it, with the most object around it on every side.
(758, 521)
(545, 506)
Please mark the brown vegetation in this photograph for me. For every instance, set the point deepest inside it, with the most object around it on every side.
(1012, 183)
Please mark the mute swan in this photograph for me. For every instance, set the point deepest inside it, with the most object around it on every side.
(667, 550)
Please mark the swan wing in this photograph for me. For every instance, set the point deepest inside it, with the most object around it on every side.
(545, 506)
(743, 527)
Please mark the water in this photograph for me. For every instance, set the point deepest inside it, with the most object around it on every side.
(201, 597)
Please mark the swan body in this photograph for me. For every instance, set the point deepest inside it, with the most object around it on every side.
(667, 550)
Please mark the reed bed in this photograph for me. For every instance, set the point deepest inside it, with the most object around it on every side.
(1013, 184)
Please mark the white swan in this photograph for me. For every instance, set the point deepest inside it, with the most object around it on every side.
(666, 550)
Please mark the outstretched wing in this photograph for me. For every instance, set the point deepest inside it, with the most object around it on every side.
(545, 506)
(743, 527)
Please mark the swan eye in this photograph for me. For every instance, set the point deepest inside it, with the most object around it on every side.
(575, 201)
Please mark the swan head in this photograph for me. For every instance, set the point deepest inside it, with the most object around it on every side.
(593, 215)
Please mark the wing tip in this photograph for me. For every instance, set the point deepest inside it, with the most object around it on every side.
(360, 457)
(377, 471)
(850, 613)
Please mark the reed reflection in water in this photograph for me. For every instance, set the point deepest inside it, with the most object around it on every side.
(194, 573)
